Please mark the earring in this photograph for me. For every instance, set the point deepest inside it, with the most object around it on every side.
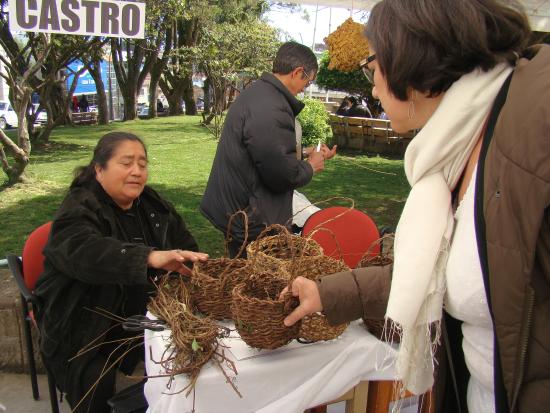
(411, 109)
(411, 105)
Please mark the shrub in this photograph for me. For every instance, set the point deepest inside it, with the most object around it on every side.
(315, 123)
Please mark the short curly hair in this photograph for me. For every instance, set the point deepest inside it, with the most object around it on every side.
(429, 44)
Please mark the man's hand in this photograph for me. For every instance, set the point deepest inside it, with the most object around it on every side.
(317, 161)
(327, 152)
(173, 260)
(310, 300)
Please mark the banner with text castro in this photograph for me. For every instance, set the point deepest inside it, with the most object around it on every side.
(108, 18)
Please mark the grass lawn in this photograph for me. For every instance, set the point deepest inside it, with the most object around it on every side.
(181, 153)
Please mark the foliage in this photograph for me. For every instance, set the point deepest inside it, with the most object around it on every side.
(351, 82)
(315, 123)
(230, 51)
(181, 154)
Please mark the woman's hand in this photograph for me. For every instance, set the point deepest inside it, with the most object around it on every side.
(173, 260)
(310, 300)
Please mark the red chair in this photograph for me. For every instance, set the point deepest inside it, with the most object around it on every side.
(26, 271)
(343, 233)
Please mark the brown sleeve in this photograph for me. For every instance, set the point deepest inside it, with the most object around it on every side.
(350, 295)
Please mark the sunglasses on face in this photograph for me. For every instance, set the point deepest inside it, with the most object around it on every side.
(368, 72)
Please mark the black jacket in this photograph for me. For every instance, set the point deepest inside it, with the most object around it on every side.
(255, 168)
(88, 263)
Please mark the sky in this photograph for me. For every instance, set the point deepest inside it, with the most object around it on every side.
(302, 31)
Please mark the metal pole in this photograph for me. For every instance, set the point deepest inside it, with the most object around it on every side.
(313, 42)
(111, 114)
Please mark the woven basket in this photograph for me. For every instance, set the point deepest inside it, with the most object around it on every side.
(274, 250)
(376, 326)
(259, 313)
(315, 327)
(213, 281)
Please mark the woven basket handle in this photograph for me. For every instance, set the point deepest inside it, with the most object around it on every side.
(379, 241)
(228, 233)
(322, 202)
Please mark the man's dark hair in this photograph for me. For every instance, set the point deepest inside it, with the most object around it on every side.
(429, 44)
(103, 151)
(292, 55)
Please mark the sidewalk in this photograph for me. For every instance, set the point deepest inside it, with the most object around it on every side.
(16, 395)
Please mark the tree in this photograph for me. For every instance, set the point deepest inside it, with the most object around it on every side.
(54, 97)
(235, 51)
(21, 76)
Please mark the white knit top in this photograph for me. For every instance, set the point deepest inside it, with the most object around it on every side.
(466, 300)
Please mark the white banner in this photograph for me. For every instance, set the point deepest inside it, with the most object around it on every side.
(108, 18)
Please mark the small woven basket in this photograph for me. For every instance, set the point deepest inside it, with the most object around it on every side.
(315, 327)
(213, 281)
(258, 311)
(376, 326)
(272, 251)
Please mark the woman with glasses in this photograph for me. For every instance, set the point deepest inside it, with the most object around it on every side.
(471, 274)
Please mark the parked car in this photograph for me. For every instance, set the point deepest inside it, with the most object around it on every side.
(200, 104)
(143, 112)
(8, 117)
(42, 117)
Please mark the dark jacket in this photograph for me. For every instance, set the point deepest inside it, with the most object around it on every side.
(255, 168)
(90, 264)
(512, 210)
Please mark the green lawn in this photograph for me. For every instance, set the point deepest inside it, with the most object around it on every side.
(181, 153)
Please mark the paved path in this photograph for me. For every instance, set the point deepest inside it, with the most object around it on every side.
(16, 395)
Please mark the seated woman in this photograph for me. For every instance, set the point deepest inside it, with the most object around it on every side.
(111, 236)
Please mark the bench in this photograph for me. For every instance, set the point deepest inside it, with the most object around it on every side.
(84, 118)
(368, 134)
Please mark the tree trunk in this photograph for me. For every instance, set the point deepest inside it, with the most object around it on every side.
(130, 100)
(131, 70)
(206, 91)
(173, 95)
(188, 95)
(94, 67)
(20, 152)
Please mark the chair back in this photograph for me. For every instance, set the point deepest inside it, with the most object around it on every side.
(33, 259)
(343, 233)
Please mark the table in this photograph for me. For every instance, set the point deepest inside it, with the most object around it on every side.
(289, 379)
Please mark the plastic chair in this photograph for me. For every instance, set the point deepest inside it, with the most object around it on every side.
(26, 271)
(343, 233)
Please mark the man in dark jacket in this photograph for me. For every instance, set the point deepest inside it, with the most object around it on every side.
(256, 168)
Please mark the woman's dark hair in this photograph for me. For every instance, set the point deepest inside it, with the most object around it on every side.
(429, 44)
(292, 55)
(103, 151)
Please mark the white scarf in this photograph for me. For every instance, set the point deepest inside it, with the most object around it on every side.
(434, 162)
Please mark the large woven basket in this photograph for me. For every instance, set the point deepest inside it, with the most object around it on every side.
(276, 250)
(315, 327)
(258, 311)
(377, 326)
(213, 281)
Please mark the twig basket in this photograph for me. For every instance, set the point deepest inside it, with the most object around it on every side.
(315, 327)
(273, 250)
(258, 311)
(213, 281)
(377, 326)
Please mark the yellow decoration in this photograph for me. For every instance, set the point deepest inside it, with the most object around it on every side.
(347, 46)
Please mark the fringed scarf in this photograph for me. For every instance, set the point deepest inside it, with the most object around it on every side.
(434, 162)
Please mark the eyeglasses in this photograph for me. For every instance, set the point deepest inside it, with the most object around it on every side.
(309, 79)
(367, 71)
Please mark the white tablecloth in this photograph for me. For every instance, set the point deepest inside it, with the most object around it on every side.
(289, 379)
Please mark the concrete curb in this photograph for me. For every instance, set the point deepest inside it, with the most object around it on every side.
(12, 346)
